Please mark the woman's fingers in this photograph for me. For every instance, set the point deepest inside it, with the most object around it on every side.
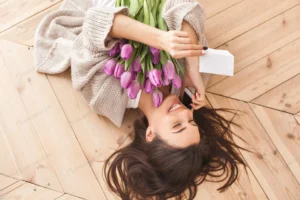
(181, 33)
(186, 53)
(187, 47)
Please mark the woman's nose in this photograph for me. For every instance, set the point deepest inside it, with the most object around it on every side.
(184, 114)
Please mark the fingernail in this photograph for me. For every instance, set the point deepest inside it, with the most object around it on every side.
(203, 52)
(205, 47)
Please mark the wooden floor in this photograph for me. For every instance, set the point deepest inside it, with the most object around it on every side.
(52, 146)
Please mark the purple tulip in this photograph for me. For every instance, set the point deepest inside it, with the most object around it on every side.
(154, 51)
(169, 70)
(126, 79)
(136, 65)
(114, 51)
(176, 81)
(109, 66)
(156, 59)
(148, 86)
(166, 82)
(126, 51)
(155, 77)
(147, 74)
(133, 89)
(157, 98)
(119, 70)
(122, 43)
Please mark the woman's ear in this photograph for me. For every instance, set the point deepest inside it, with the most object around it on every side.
(149, 134)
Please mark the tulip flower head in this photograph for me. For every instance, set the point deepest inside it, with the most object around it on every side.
(169, 70)
(157, 98)
(126, 79)
(126, 51)
(148, 86)
(136, 65)
(109, 66)
(155, 77)
(176, 81)
(115, 50)
(133, 89)
(119, 70)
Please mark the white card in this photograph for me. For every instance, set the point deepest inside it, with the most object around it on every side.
(219, 62)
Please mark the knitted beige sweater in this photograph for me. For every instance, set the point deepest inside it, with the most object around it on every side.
(76, 36)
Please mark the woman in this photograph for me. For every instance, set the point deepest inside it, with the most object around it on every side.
(175, 148)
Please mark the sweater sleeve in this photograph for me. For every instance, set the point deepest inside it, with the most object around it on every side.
(191, 11)
(101, 92)
(76, 36)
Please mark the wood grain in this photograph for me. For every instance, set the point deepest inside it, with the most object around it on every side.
(266, 164)
(23, 33)
(15, 11)
(263, 75)
(6, 181)
(241, 17)
(22, 190)
(297, 119)
(212, 8)
(262, 40)
(285, 97)
(97, 135)
(52, 126)
(284, 132)
(67, 197)
(19, 132)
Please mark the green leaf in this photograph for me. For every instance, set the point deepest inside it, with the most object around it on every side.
(163, 57)
(141, 79)
(135, 7)
(118, 3)
(146, 13)
(158, 66)
(160, 20)
(144, 52)
(130, 61)
(136, 44)
(152, 20)
(140, 15)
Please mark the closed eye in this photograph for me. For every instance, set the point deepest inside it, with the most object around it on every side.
(179, 131)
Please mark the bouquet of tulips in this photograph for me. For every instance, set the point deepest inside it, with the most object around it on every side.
(139, 66)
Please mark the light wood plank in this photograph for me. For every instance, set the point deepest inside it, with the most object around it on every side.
(285, 97)
(9, 168)
(266, 163)
(297, 119)
(262, 40)
(52, 127)
(97, 135)
(284, 131)
(212, 7)
(15, 11)
(242, 17)
(67, 197)
(22, 190)
(20, 135)
(263, 75)
(23, 33)
(6, 181)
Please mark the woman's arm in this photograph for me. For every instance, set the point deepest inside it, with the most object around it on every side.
(193, 77)
(177, 43)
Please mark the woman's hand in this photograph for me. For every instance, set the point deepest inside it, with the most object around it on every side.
(179, 44)
(194, 79)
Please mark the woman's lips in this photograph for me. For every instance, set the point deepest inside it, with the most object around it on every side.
(173, 103)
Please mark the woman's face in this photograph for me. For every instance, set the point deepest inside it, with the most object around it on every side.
(173, 123)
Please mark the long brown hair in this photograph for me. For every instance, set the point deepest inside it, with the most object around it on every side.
(154, 170)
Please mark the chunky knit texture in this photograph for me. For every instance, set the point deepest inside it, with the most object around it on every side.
(76, 36)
